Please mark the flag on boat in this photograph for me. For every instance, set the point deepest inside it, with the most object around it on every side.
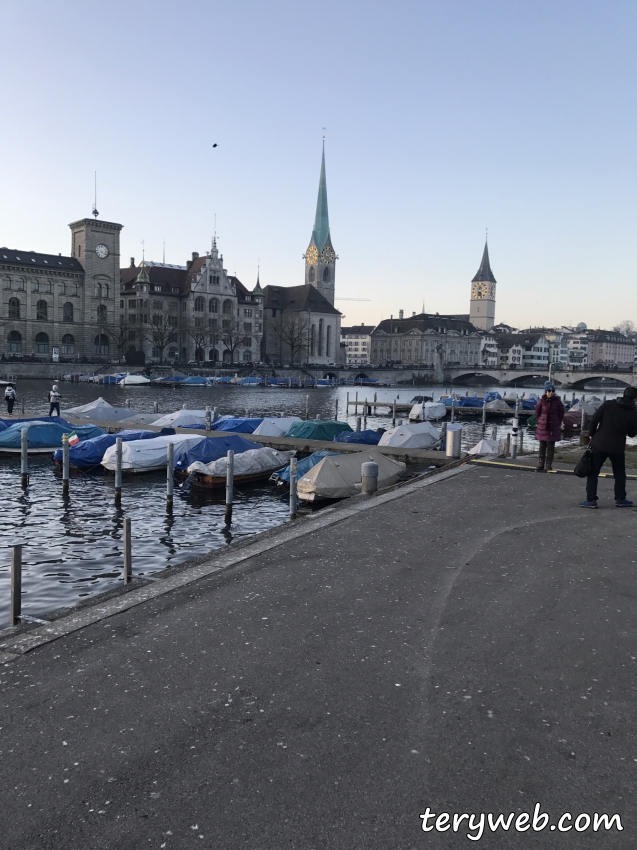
(73, 438)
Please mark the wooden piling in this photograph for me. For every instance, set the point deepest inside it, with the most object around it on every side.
(16, 583)
(229, 486)
(65, 463)
(118, 468)
(128, 555)
(170, 473)
(24, 456)
(293, 496)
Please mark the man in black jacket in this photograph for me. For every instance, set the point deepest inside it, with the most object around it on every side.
(611, 424)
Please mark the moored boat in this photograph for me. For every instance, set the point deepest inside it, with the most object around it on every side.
(253, 465)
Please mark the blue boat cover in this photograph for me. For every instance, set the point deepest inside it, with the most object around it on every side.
(170, 379)
(303, 466)
(90, 452)
(235, 424)
(212, 448)
(196, 380)
(368, 438)
(468, 401)
(529, 403)
(57, 419)
(43, 434)
(493, 396)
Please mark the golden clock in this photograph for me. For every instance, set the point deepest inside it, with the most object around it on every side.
(480, 290)
(312, 255)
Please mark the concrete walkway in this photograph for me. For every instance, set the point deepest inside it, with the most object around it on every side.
(467, 644)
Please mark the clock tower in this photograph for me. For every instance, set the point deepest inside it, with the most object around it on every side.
(320, 258)
(482, 307)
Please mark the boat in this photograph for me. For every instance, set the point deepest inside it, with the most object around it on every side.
(212, 448)
(182, 418)
(236, 424)
(273, 426)
(418, 435)
(130, 380)
(433, 410)
(303, 466)
(44, 436)
(148, 455)
(340, 477)
(88, 454)
(196, 381)
(253, 465)
(485, 447)
(317, 429)
(366, 438)
(100, 410)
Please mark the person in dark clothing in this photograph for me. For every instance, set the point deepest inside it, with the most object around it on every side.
(10, 397)
(612, 422)
(549, 412)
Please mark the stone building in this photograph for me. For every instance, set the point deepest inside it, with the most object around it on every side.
(358, 344)
(610, 349)
(62, 307)
(524, 351)
(426, 339)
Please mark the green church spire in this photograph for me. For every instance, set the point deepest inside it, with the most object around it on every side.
(321, 230)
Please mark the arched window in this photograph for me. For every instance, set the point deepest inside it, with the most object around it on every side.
(312, 275)
(313, 340)
(227, 308)
(247, 356)
(320, 338)
(326, 273)
(42, 313)
(67, 312)
(73, 289)
(6, 283)
(14, 342)
(68, 344)
(247, 342)
(101, 345)
(328, 344)
(199, 304)
(105, 290)
(36, 286)
(212, 355)
(42, 344)
(102, 314)
(14, 308)
(98, 290)
(213, 306)
(19, 283)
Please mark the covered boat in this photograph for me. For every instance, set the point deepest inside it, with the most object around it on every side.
(182, 418)
(253, 465)
(196, 381)
(340, 477)
(43, 435)
(496, 404)
(149, 455)
(366, 438)
(418, 435)
(212, 448)
(134, 380)
(464, 401)
(89, 453)
(100, 410)
(273, 426)
(303, 466)
(317, 429)
(169, 380)
(433, 410)
(236, 424)
(485, 447)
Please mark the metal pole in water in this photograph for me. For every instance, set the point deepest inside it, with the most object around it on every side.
(393, 414)
(484, 414)
(293, 499)
(507, 450)
(65, 463)
(155, 407)
(170, 473)
(24, 456)
(494, 432)
(307, 406)
(365, 416)
(347, 404)
(514, 437)
(521, 447)
(127, 402)
(127, 551)
(453, 418)
(358, 424)
(208, 416)
(16, 583)
(215, 415)
(229, 486)
(336, 413)
(118, 468)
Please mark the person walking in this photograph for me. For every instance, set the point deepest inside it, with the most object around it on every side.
(54, 400)
(549, 412)
(612, 422)
(10, 397)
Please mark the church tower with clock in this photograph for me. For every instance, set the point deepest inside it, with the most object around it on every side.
(320, 258)
(482, 308)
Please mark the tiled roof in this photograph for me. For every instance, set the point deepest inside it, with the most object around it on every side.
(425, 321)
(31, 259)
(358, 329)
(164, 276)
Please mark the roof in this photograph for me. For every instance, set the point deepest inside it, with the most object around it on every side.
(358, 329)
(167, 277)
(298, 299)
(321, 230)
(13, 257)
(425, 321)
(523, 340)
(484, 273)
(610, 336)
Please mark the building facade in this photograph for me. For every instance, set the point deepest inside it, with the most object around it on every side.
(425, 339)
(523, 351)
(358, 344)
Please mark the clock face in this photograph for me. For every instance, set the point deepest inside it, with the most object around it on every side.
(312, 255)
(327, 255)
(102, 251)
(480, 290)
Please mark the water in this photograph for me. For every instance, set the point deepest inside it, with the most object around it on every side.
(73, 545)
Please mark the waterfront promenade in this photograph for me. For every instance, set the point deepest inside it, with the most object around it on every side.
(464, 643)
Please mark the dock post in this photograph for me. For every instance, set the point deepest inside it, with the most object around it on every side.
(24, 456)
(208, 418)
(369, 478)
(356, 402)
(347, 405)
(484, 414)
(307, 407)
(507, 450)
(170, 474)
(229, 486)
(16, 583)
(65, 463)
(393, 414)
(521, 446)
(514, 437)
(453, 444)
(375, 395)
(155, 407)
(494, 432)
(453, 418)
(336, 413)
(127, 551)
(127, 402)
(293, 498)
(118, 468)
(358, 424)
(365, 408)
(215, 415)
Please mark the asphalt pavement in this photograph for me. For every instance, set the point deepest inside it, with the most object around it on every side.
(464, 645)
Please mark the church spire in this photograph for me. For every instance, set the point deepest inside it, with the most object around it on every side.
(321, 230)
(484, 273)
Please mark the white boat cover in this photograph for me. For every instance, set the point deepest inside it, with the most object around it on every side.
(416, 435)
(337, 476)
(273, 426)
(145, 455)
(131, 380)
(485, 447)
(180, 418)
(144, 418)
(101, 410)
(590, 405)
(247, 463)
(433, 410)
(498, 404)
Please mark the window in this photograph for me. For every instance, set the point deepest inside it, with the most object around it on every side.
(42, 313)
(312, 275)
(132, 319)
(156, 288)
(247, 356)
(47, 286)
(14, 308)
(98, 290)
(42, 344)
(214, 279)
(73, 289)
(212, 324)
(132, 302)
(121, 304)
(14, 342)
(67, 312)
(198, 322)
(6, 284)
(132, 335)
(158, 305)
(247, 342)
(212, 355)
(101, 345)
(227, 308)
(101, 313)
(62, 288)
(326, 274)
(68, 344)
(247, 327)
(199, 304)
(247, 313)
(35, 286)
(19, 283)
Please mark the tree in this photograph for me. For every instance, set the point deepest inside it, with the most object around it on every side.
(119, 335)
(200, 336)
(159, 332)
(232, 336)
(293, 331)
(627, 328)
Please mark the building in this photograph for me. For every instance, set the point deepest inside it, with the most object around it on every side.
(424, 340)
(482, 306)
(610, 349)
(62, 307)
(523, 351)
(358, 344)
(320, 258)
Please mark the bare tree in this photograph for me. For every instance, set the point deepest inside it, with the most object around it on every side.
(200, 336)
(232, 336)
(119, 335)
(159, 332)
(627, 327)
(292, 330)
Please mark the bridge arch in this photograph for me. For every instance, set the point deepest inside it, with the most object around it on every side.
(475, 379)
(601, 382)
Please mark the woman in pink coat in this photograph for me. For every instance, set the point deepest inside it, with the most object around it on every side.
(549, 412)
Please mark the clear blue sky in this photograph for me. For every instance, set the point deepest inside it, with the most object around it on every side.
(443, 118)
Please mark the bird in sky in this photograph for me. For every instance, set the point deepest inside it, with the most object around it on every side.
(215, 145)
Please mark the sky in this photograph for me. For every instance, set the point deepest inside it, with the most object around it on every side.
(443, 119)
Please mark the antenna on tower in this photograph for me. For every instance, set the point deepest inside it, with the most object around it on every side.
(95, 212)
(143, 250)
(164, 257)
